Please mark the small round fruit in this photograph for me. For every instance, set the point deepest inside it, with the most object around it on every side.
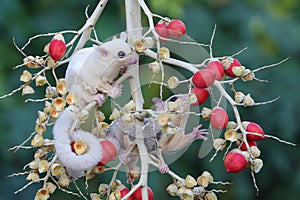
(229, 70)
(57, 49)
(176, 28)
(217, 67)
(138, 194)
(162, 30)
(250, 143)
(254, 128)
(125, 191)
(218, 118)
(201, 94)
(109, 152)
(235, 162)
(204, 78)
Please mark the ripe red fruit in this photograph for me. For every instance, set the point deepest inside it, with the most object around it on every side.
(204, 78)
(125, 191)
(228, 70)
(162, 30)
(217, 67)
(235, 162)
(254, 128)
(176, 28)
(218, 118)
(138, 194)
(201, 94)
(57, 49)
(109, 152)
(250, 143)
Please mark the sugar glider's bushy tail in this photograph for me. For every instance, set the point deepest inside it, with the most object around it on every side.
(75, 164)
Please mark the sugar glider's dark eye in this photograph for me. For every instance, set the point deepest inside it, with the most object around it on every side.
(173, 99)
(121, 54)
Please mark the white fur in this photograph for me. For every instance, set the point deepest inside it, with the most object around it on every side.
(75, 164)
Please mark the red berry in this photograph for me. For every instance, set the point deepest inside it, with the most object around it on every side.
(218, 68)
(162, 30)
(57, 49)
(125, 191)
(218, 118)
(138, 194)
(234, 63)
(176, 28)
(109, 152)
(254, 128)
(201, 94)
(250, 143)
(204, 78)
(235, 162)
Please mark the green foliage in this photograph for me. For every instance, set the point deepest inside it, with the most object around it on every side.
(270, 30)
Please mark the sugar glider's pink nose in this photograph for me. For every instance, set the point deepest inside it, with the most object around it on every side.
(131, 60)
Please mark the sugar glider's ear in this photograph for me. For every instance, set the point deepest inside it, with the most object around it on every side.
(102, 51)
(159, 104)
(123, 36)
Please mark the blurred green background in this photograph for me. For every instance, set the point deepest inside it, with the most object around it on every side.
(270, 29)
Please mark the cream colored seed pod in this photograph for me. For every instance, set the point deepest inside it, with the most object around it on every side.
(231, 125)
(27, 89)
(42, 116)
(206, 113)
(239, 97)
(116, 195)
(172, 82)
(256, 165)
(219, 143)
(64, 181)
(103, 188)
(248, 100)
(51, 92)
(139, 46)
(50, 187)
(130, 106)
(238, 70)
(210, 196)
(187, 194)
(59, 103)
(155, 67)
(255, 151)
(61, 86)
(205, 179)
(40, 80)
(43, 166)
(80, 147)
(231, 135)
(172, 190)
(115, 114)
(42, 194)
(47, 107)
(57, 169)
(32, 176)
(149, 42)
(71, 99)
(164, 53)
(26, 76)
(190, 181)
(37, 140)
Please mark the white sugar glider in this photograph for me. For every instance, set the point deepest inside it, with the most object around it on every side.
(156, 140)
(90, 75)
(91, 71)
